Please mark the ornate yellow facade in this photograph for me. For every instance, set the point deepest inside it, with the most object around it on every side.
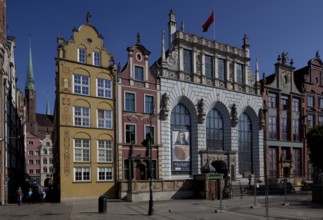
(85, 116)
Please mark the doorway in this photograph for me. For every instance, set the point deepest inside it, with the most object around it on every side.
(140, 172)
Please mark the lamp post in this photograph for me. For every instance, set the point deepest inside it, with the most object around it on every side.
(149, 136)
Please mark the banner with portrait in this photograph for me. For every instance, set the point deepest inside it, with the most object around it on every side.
(181, 150)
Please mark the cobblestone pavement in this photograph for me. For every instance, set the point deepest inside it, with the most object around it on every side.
(236, 208)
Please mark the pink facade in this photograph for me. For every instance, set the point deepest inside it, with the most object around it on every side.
(33, 159)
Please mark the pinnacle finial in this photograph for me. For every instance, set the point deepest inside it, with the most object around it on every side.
(88, 17)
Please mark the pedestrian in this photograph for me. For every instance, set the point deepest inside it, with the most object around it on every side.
(19, 195)
(30, 196)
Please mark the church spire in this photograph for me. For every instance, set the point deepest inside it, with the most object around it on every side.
(47, 106)
(30, 71)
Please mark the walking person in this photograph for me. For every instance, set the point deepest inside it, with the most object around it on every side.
(19, 194)
(30, 196)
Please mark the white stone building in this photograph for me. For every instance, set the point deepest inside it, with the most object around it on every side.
(208, 92)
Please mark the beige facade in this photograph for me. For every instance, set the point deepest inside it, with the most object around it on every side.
(84, 116)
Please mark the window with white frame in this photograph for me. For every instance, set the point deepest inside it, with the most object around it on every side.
(31, 153)
(321, 102)
(31, 162)
(272, 100)
(81, 84)
(240, 73)
(284, 128)
(149, 104)
(139, 73)
(295, 129)
(50, 160)
(45, 151)
(130, 133)
(310, 101)
(209, 67)
(81, 150)
(44, 169)
(81, 116)
(284, 100)
(221, 69)
(310, 121)
(105, 151)
(104, 173)
(30, 142)
(272, 127)
(82, 174)
(37, 161)
(105, 119)
(188, 62)
(96, 58)
(37, 171)
(130, 102)
(82, 55)
(44, 160)
(104, 88)
(295, 105)
(31, 171)
(150, 130)
(51, 169)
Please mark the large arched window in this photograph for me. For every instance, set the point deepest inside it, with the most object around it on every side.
(214, 130)
(245, 144)
(181, 146)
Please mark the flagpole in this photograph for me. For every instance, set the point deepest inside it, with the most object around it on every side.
(213, 24)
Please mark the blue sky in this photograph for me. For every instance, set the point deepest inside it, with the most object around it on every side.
(272, 27)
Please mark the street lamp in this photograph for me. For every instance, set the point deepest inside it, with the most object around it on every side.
(149, 137)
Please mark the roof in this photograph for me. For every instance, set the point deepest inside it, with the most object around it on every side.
(45, 120)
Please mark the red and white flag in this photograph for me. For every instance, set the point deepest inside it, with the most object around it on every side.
(208, 22)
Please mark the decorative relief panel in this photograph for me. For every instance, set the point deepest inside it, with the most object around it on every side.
(66, 152)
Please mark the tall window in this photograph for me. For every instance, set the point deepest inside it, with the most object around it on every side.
(104, 151)
(272, 100)
(104, 173)
(245, 144)
(130, 102)
(150, 130)
(310, 121)
(81, 85)
(104, 88)
(284, 103)
(82, 174)
(149, 104)
(272, 162)
(45, 161)
(221, 69)
(272, 127)
(310, 101)
(105, 119)
(82, 55)
(295, 104)
(240, 74)
(320, 119)
(81, 150)
(130, 134)
(96, 58)
(139, 73)
(295, 129)
(284, 129)
(188, 63)
(297, 162)
(321, 102)
(209, 66)
(81, 116)
(214, 130)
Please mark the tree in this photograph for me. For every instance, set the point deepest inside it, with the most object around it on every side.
(315, 144)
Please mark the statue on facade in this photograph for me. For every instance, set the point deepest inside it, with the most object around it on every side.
(164, 111)
(201, 111)
(88, 17)
(284, 57)
(234, 115)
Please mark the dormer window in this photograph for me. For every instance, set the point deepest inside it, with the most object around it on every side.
(82, 55)
(96, 58)
(139, 73)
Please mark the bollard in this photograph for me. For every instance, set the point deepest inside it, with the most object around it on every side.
(102, 204)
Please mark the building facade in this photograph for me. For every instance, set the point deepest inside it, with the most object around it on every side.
(283, 139)
(310, 80)
(210, 98)
(12, 162)
(138, 99)
(84, 116)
